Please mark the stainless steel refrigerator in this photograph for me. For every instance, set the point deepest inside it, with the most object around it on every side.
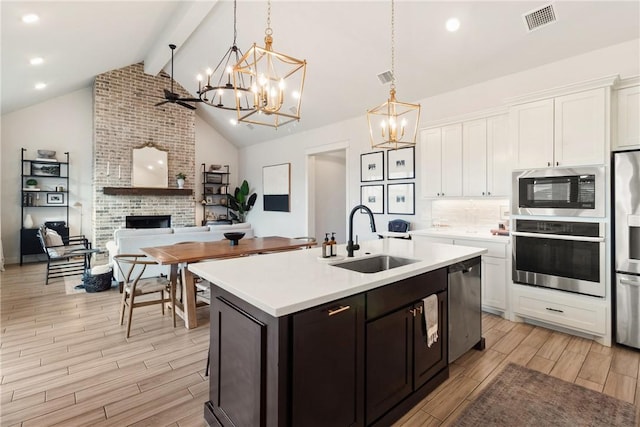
(626, 203)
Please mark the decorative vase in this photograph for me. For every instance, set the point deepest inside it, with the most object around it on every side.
(28, 221)
(180, 183)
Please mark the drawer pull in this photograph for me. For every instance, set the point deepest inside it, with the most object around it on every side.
(416, 311)
(339, 309)
(555, 309)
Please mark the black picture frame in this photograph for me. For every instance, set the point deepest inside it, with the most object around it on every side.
(401, 199)
(55, 198)
(401, 163)
(372, 166)
(45, 169)
(372, 196)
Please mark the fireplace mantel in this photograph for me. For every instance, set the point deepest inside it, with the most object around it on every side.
(147, 191)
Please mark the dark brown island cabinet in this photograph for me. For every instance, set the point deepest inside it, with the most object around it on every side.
(359, 361)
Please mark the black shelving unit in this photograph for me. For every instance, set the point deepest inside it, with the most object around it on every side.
(46, 199)
(215, 195)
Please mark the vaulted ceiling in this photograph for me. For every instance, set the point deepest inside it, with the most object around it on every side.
(346, 45)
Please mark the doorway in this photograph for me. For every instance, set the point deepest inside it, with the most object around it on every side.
(327, 193)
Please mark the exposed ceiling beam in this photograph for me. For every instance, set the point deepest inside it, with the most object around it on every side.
(187, 18)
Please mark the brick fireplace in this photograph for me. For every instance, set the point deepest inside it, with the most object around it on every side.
(125, 118)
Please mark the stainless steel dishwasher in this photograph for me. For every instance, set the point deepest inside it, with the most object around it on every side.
(465, 313)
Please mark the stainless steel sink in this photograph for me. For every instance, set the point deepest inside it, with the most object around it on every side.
(375, 263)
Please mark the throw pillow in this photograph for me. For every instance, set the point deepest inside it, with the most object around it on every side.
(52, 238)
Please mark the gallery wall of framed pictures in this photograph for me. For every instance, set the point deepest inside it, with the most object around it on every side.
(400, 166)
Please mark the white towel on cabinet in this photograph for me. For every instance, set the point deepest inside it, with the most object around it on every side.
(430, 312)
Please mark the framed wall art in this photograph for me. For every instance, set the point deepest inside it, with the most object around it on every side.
(45, 169)
(401, 163)
(55, 198)
(372, 196)
(276, 187)
(372, 166)
(401, 199)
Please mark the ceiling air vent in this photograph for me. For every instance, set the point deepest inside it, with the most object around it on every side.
(540, 17)
(385, 77)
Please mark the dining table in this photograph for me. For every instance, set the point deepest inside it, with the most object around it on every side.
(182, 254)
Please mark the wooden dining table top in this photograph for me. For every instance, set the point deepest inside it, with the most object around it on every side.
(198, 251)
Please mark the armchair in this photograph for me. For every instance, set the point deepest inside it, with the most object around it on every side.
(65, 256)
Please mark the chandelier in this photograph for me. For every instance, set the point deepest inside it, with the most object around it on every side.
(227, 92)
(276, 79)
(393, 124)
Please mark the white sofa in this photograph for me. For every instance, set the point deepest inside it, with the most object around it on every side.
(130, 240)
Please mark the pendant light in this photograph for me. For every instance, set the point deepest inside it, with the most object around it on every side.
(228, 92)
(393, 124)
(276, 79)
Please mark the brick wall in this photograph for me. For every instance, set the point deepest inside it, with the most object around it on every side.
(125, 118)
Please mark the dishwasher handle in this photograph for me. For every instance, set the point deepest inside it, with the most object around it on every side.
(465, 266)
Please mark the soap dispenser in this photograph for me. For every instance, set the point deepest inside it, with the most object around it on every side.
(326, 250)
(333, 245)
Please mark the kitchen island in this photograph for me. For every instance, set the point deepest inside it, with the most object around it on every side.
(298, 341)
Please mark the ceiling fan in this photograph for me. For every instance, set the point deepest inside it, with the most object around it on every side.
(171, 96)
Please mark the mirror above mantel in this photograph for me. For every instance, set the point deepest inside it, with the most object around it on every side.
(150, 167)
(150, 175)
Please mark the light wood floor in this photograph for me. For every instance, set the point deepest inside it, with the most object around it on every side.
(64, 361)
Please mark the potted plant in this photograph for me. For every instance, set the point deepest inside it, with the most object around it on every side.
(181, 177)
(31, 183)
(241, 202)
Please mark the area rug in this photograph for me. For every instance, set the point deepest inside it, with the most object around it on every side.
(520, 396)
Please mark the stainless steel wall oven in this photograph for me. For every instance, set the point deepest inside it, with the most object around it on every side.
(564, 255)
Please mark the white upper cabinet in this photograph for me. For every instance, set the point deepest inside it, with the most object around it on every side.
(532, 132)
(580, 121)
(441, 161)
(485, 147)
(498, 156)
(474, 149)
(564, 131)
(628, 118)
(431, 148)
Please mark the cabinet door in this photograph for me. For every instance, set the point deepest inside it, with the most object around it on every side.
(498, 156)
(628, 120)
(580, 128)
(494, 282)
(474, 148)
(429, 360)
(430, 146)
(389, 362)
(452, 160)
(237, 385)
(532, 133)
(327, 365)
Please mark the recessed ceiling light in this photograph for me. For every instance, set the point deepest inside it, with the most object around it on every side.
(453, 24)
(36, 61)
(30, 18)
(40, 86)
(233, 122)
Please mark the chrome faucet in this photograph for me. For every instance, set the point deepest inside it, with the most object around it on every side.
(350, 245)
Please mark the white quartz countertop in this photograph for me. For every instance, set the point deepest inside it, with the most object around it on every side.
(469, 233)
(287, 282)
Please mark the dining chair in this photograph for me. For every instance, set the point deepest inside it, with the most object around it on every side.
(132, 267)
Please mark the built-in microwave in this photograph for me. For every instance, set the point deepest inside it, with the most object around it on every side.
(559, 192)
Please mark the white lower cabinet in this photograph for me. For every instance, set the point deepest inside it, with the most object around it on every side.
(568, 310)
(494, 283)
(495, 271)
